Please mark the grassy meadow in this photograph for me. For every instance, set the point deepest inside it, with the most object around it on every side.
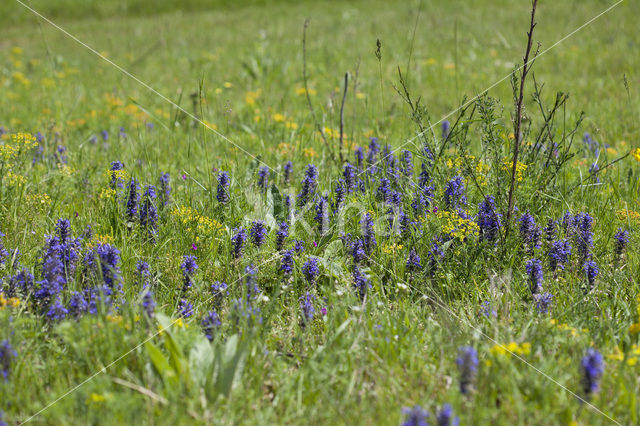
(209, 249)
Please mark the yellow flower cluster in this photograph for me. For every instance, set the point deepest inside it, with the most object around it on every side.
(76, 123)
(512, 348)
(14, 179)
(458, 162)
(628, 215)
(391, 249)
(190, 217)
(100, 239)
(309, 152)
(280, 118)
(180, 323)
(136, 113)
(285, 149)
(65, 170)
(118, 175)
(481, 168)
(563, 326)
(116, 319)
(210, 125)
(20, 143)
(107, 194)
(38, 200)
(331, 133)
(113, 100)
(636, 154)
(13, 302)
(633, 356)
(96, 398)
(520, 168)
(458, 227)
(19, 77)
(302, 91)
(251, 97)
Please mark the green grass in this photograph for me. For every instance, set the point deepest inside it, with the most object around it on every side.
(358, 363)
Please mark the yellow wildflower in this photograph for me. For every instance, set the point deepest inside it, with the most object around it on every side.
(13, 302)
(107, 194)
(47, 82)
(284, 148)
(520, 168)
(38, 200)
(96, 398)
(393, 248)
(190, 218)
(100, 239)
(629, 215)
(116, 319)
(457, 227)
(65, 170)
(302, 91)
(14, 179)
(511, 348)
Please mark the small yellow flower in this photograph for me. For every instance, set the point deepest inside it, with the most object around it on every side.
(278, 118)
(616, 355)
(107, 194)
(115, 319)
(284, 148)
(210, 125)
(301, 91)
(511, 348)
(393, 248)
(96, 398)
(12, 302)
(227, 85)
(636, 154)
(629, 215)
(520, 168)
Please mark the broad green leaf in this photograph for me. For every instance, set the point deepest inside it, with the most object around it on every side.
(161, 365)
